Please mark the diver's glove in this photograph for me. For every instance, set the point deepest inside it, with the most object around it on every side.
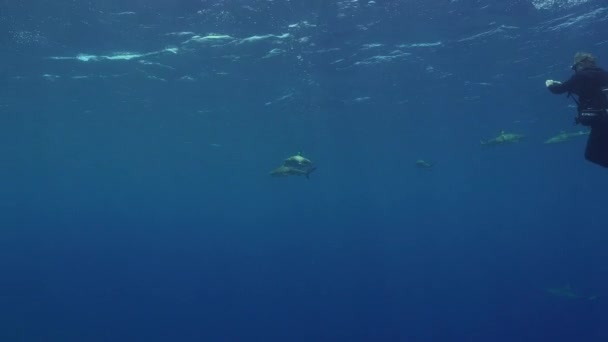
(549, 83)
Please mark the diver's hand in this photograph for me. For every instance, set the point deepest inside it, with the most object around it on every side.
(549, 83)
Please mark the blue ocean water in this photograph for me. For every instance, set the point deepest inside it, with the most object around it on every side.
(137, 137)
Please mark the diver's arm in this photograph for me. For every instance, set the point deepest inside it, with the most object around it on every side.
(559, 88)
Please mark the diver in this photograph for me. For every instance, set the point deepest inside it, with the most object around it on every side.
(590, 84)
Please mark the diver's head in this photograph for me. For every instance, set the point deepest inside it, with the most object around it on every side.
(583, 60)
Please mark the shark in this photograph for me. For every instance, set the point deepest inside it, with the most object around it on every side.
(503, 138)
(297, 161)
(563, 136)
(283, 171)
(567, 292)
(423, 164)
(294, 166)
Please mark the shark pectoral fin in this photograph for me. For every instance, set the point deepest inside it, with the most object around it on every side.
(309, 172)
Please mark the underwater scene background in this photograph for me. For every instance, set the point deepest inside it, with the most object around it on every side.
(137, 138)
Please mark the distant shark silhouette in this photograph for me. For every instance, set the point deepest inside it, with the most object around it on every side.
(566, 292)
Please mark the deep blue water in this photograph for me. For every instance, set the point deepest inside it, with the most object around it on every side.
(137, 137)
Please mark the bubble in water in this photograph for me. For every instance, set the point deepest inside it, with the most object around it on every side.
(29, 38)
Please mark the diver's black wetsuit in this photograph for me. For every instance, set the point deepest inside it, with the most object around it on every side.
(588, 84)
